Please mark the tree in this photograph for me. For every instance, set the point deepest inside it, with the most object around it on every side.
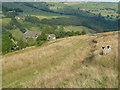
(48, 29)
(77, 33)
(18, 10)
(61, 32)
(42, 37)
(99, 15)
(112, 15)
(32, 19)
(108, 16)
(30, 41)
(117, 17)
(7, 44)
(21, 44)
(83, 32)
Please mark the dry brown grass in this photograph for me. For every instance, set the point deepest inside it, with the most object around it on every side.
(0, 71)
(68, 62)
(73, 3)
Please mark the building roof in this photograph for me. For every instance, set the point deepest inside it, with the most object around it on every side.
(51, 35)
(29, 33)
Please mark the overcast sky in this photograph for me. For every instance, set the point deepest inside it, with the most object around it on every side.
(61, 0)
(101, 0)
(84, 0)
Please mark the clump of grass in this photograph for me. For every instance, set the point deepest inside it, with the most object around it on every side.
(90, 58)
(94, 41)
(92, 50)
(65, 81)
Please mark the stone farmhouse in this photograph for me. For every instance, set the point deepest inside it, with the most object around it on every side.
(51, 37)
(30, 34)
(17, 18)
(34, 35)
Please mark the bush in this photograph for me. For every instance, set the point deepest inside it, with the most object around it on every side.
(32, 19)
(39, 43)
(83, 32)
(30, 41)
(7, 44)
(42, 37)
(21, 44)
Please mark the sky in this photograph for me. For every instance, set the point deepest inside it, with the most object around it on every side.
(101, 0)
(62, 0)
(83, 0)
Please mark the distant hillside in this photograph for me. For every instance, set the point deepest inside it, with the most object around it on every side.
(73, 62)
(66, 15)
(28, 10)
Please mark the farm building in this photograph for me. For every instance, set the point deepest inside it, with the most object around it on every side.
(51, 37)
(17, 17)
(30, 34)
(11, 11)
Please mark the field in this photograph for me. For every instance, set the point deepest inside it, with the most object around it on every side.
(96, 7)
(93, 7)
(48, 17)
(6, 21)
(73, 62)
(28, 10)
(78, 28)
(17, 34)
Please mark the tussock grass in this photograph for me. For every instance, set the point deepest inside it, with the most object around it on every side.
(72, 62)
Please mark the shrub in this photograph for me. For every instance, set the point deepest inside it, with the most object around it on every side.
(83, 32)
(39, 43)
(7, 44)
(32, 19)
(42, 37)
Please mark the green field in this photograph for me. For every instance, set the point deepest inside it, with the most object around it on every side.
(6, 21)
(93, 7)
(98, 5)
(49, 17)
(17, 34)
(28, 10)
(78, 28)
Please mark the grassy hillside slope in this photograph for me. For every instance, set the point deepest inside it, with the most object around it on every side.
(28, 10)
(105, 8)
(67, 62)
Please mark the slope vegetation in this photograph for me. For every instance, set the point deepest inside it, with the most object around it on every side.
(67, 62)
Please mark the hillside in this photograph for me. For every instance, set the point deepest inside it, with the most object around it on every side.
(28, 10)
(68, 62)
(63, 15)
(97, 7)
